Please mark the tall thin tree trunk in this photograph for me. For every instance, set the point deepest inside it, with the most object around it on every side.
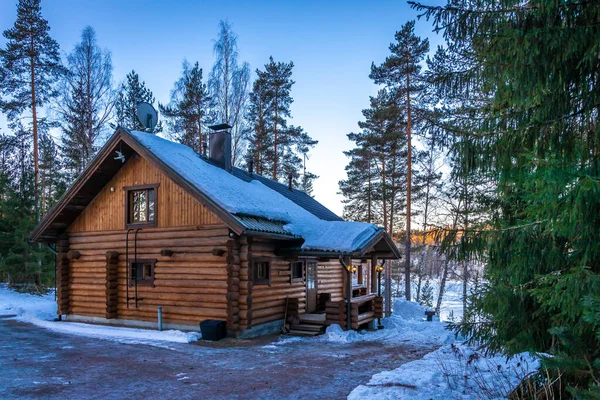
(36, 168)
(275, 156)
(370, 197)
(408, 188)
(442, 286)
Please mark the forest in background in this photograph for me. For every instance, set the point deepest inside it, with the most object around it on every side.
(61, 111)
(489, 146)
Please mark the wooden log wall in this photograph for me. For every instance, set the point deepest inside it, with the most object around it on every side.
(362, 312)
(335, 313)
(330, 278)
(191, 285)
(245, 299)
(268, 301)
(378, 307)
(112, 298)
(233, 284)
(175, 207)
(62, 276)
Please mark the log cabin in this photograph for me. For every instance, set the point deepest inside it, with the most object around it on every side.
(150, 223)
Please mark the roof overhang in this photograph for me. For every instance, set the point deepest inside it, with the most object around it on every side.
(380, 245)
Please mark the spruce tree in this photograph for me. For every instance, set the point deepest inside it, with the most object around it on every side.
(427, 296)
(529, 74)
(131, 93)
(401, 71)
(189, 109)
(20, 262)
(31, 65)
(86, 103)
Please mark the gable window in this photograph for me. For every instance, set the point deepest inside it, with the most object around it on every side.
(141, 205)
(297, 271)
(142, 272)
(262, 271)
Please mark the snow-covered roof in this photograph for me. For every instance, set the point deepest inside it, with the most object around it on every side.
(242, 198)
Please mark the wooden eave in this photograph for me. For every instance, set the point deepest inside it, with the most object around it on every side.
(98, 173)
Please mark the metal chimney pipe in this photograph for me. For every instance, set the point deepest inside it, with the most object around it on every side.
(290, 181)
(250, 166)
(220, 146)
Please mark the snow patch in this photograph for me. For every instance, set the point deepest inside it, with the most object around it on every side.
(41, 311)
(452, 371)
(407, 325)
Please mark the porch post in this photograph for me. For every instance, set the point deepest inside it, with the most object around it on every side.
(388, 288)
(373, 273)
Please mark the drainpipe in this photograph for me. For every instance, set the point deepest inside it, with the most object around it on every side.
(348, 294)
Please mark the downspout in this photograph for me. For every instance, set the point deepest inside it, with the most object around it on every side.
(348, 294)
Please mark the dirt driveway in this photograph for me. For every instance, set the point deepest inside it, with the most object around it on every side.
(37, 363)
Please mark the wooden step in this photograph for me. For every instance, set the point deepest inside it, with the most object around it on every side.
(313, 319)
(305, 327)
(303, 333)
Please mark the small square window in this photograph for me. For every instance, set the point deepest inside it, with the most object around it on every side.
(262, 272)
(142, 272)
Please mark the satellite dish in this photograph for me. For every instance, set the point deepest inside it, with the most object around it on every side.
(147, 115)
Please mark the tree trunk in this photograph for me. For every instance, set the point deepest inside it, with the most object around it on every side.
(275, 136)
(408, 188)
(442, 286)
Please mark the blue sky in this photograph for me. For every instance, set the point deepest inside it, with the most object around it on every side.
(332, 45)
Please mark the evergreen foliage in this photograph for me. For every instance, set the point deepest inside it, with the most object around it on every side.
(528, 82)
(374, 190)
(427, 295)
(131, 93)
(30, 66)
(86, 103)
(189, 109)
(401, 72)
(279, 150)
(19, 260)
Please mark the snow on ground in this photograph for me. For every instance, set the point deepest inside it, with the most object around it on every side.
(41, 311)
(453, 371)
(406, 325)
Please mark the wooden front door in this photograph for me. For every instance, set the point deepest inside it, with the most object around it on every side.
(311, 286)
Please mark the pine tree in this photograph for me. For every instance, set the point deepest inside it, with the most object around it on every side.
(529, 76)
(229, 85)
(189, 108)
(402, 72)
(131, 93)
(86, 103)
(31, 65)
(279, 149)
(259, 141)
(381, 148)
(360, 188)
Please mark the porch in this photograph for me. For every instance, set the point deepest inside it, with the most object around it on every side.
(360, 306)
